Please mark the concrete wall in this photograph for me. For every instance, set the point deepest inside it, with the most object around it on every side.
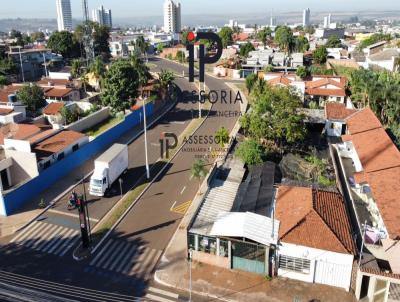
(90, 121)
(18, 197)
(211, 259)
(326, 267)
(24, 166)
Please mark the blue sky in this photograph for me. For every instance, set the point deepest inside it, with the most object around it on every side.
(131, 8)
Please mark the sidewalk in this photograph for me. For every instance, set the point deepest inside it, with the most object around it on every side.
(231, 285)
(10, 224)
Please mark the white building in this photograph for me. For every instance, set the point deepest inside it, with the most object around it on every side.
(172, 17)
(306, 17)
(272, 21)
(102, 16)
(64, 15)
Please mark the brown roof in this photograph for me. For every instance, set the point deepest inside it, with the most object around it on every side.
(380, 159)
(363, 120)
(325, 92)
(57, 92)
(54, 82)
(56, 143)
(53, 108)
(280, 80)
(314, 218)
(337, 111)
(18, 131)
(6, 111)
(6, 91)
(325, 82)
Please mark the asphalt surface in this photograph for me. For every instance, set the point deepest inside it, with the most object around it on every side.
(125, 263)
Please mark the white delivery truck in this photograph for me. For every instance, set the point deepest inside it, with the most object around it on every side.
(107, 168)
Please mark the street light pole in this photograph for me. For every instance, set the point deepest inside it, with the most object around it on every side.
(190, 274)
(145, 139)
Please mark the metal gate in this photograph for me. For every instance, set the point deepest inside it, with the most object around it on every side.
(248, 257)
(332, 274)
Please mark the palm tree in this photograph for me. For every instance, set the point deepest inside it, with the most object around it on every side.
(198, 170)
(85, 81)
(166, 78)
(142, 46)
(76, 68)
(141, 69)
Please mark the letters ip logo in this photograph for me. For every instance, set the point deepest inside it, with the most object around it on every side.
(203, 59)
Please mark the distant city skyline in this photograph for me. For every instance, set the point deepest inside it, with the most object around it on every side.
(129, 8)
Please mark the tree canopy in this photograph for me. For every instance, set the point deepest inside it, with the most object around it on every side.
(100, 34)
(333, 42)
(226, 34)
(301, 44)
(274, 115)
(284, 38)
(32, 96)
(320, 55)
(264, 34)
(251, 152)
(121, 84)
(62, 42)
(246, 48)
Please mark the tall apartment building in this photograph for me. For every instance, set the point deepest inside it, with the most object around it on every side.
(172, 17)
(64, 15)
(102, 16)
(306, 17)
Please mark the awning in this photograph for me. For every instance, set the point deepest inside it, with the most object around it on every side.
(252, 226)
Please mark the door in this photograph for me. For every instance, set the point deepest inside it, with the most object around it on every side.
(4, 179)
(333, 274)
(248, 257)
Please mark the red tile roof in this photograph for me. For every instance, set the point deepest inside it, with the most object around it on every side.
(363, 120)
(6, 91)
(55, 143)
(18, 131)
(57, 92)
(314, 218)
(380, 160)
(280, 80)
(337, 111)
(53, 108)
(6, 111)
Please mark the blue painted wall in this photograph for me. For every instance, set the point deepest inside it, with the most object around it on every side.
(14, 200)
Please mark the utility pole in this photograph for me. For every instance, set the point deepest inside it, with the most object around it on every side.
(199, 99)
(120, 186)
(190, 274)
(22, 66)
(145, 138)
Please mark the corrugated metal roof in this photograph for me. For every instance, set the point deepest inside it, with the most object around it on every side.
(252, 226)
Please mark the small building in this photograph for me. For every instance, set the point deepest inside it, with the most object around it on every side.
(315, 236)
(336, 114)
(53, 114)
(385, 59)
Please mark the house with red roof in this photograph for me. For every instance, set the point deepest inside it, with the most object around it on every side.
(368, 163)
(315, 236)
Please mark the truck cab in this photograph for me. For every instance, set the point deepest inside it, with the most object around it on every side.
(99, 183)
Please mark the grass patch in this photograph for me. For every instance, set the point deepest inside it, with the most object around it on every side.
(103, 126)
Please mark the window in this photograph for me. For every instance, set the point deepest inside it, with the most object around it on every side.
(294, 264)
(207, 245)
(223, 248)
(191, 241)
(75, 148)
(104, 180)
(60, 156)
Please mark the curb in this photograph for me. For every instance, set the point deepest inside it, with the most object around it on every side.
(145, 190)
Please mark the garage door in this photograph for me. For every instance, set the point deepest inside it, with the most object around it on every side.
(332, 274)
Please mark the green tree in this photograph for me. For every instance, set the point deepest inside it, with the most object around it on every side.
(250, 81)
(222, 136)
(32, 96)
(100, 35)
(264, 34)
(97, 67)
(320, 55)
(160, 47)
(275, 115)
(184, 39)
(302, 72)
(166, 77)
(7, 67)
(333, 42)
(284, 38)
(375, 38)
(309, 30)
(141, 69)
(3, 81)
(198, 170)
(301, 44)
(62, 42)
(38, 35)
(121, 84)
(76, 68)
(180, 56)
(245, 49)
(251, 152)
(226, 34)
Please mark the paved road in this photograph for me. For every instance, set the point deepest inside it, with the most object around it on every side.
(125, 263)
